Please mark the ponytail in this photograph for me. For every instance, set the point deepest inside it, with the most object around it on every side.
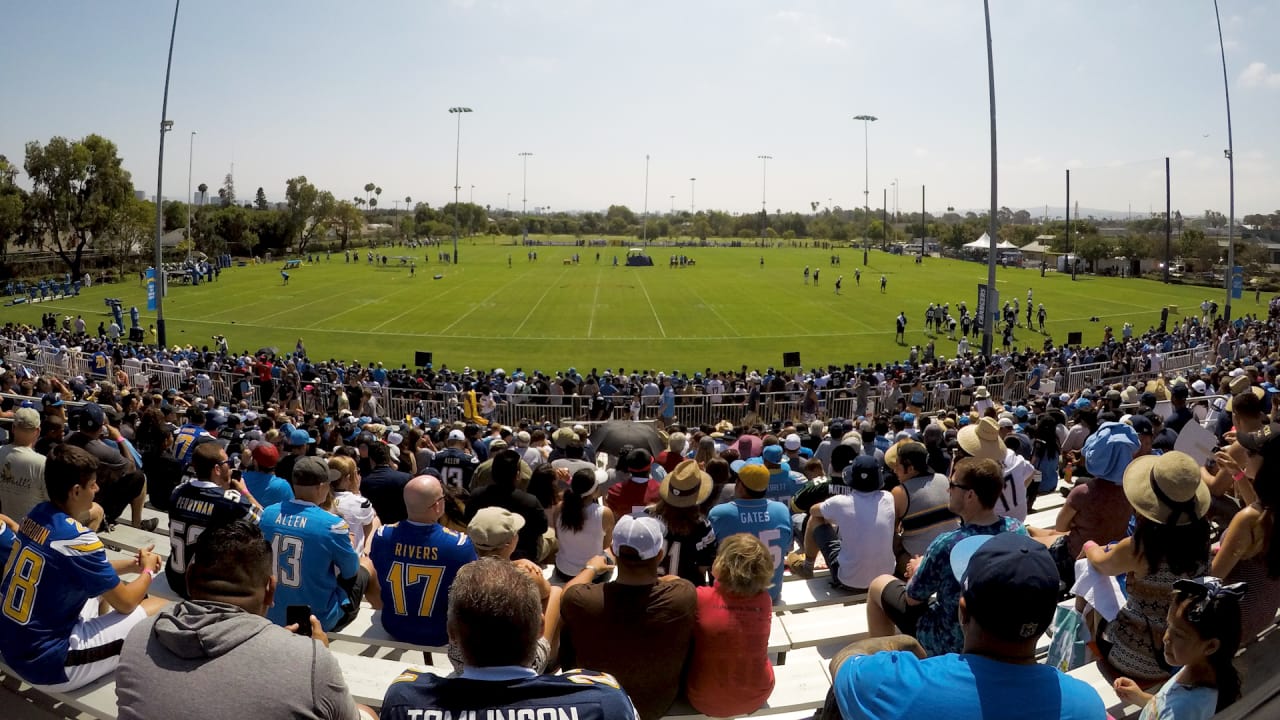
(573, 508)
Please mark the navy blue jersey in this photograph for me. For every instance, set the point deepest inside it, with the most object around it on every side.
(194, 507)
(456, 466)
(579, 694)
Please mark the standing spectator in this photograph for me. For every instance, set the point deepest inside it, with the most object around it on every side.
(751, 512)
(729, 670)
(315, 564)
(209, 500)
(56, 636)
(413, 593)
(853, 528)
(384, 485)
(21, 467)
(975, 489)
(189, 655)
(503, 493)
(496, 619)
(264, 484)
(651, 619)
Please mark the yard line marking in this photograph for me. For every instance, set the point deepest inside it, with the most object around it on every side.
(713, 310)
(528, 315)
(299, 307)
(481, 304)
(591, 322)
(651, 307)
(442, 293)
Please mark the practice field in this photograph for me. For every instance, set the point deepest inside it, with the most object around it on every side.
(723, 312)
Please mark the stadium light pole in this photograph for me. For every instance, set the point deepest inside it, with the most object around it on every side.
(691, 186)
(646, 199)
(866, 177)
(191, 150)
(524, 194)
(673, 204)
(1229, 275)
(457, 158)
(165, 126)
(987, 338)
(472, 198)
(764, 187)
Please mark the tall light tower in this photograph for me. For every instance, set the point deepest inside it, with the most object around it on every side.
(988, 339)
(1231, 170)
(691, 186)
(866, 177)
(646, 199)
(457, 158)
(191, 149)
(764, 187)
(524, 194)
(165, 126)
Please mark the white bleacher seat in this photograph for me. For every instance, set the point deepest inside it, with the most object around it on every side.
(800, 685)
(367, 629)
(1116, 707)
(97, 699)
(130, 539)
(813, 593)
(835, 625)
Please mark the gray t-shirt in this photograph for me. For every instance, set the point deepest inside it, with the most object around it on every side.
(21, 480)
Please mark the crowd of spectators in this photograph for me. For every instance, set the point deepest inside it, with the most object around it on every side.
(519, 550)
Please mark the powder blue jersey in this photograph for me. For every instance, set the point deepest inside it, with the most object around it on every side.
(312, 549)
(267, 487)
(416, 564)
(768, 520)
(54, 568)
(581, 694)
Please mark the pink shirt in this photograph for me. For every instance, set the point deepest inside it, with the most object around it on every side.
(729, 672)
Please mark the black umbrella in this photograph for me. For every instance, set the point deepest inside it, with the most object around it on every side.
(267, 351)
(612, 436)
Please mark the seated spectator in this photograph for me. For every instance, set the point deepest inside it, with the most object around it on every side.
(921, 500)
(1170, 541)
(783, 481)
(1248, 553)
(21, 467)
(975, 489)
(414, 564)
(638, 489)
(484, 471)
(584, 527)
(690, 542)
(350, 504)
(122, 485)
(456, 463)
(315, 564)
(674, 453)
(729, 670)
(1010, 587)
(264, 484)
(209, 500)
(853, 528)
(384, 485)
(219, 654)
(637, 627)
(751, 512)
(495, 618)
(503, 493)
(57, 583)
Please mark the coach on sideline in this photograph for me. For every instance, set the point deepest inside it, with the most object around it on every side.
(217, 655)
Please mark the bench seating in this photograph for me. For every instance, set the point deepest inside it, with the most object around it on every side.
(1116, 707)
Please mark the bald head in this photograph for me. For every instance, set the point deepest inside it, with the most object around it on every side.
(422, 499)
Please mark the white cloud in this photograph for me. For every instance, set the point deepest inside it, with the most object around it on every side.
(1257, 75)
(921, 152)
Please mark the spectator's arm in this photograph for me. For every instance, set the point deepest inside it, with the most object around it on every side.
(871, 646)
(124, 598)
(1236, 542)
(1115, 559)
(1065, 516)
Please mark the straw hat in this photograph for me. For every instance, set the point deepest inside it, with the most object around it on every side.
(981, 392)
(1167, 489)
(982, 440)
(685, 486)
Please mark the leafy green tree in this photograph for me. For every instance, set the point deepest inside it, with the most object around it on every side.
(309, 211)
(77, 189)
(1092, 248)
(347, 219)
(13, 205)
(260, 200)
(175, 215)
(407, 228)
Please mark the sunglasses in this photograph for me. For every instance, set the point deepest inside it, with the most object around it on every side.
(958, 486)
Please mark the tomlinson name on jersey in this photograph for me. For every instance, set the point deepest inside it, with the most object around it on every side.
(543, 713)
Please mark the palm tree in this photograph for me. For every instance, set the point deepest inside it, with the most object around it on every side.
(408, 203)
(377, 191)
(368, 188)
(203, 188)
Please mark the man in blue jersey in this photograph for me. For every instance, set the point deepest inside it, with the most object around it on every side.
(52, 633)
(751, 512)
(415, 562)
(1010, 585)
(495, 618)
(211, 499)
(261, 480)
(455, 464)
(783, 482)
(315, 564)
(185, 440)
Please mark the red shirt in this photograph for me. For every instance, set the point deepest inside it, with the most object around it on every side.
(629, 497)
(729, 671)
(668, 460)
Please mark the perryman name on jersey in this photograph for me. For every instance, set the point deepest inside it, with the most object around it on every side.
(524, 713)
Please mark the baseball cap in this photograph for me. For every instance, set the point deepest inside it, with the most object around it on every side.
(51, 400)
(455, 435)
(1009, 583)
(493, 527)
(772, 454)
(313, 471)
(754, 477)
(863, 474)
(1142, 425)
(300, 437)
(26, 418)
(93, 417)
(265, 456)
(644, 535)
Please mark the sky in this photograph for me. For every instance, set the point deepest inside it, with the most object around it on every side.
(348, 93)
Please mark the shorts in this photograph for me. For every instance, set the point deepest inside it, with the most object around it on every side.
(116, 495)
(355, 595)
(95, 645)
(893, 600)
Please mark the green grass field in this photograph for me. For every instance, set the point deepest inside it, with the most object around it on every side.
(722, 313)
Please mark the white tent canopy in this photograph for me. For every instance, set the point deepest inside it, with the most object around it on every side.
(984, 243)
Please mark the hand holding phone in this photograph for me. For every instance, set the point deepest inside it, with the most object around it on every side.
(299, 616)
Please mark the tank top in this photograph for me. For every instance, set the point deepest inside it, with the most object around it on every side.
(577, 547)
(927, 514)
(1261, 598)
(1137, 635)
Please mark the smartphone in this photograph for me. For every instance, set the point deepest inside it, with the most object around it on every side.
(236, 475)
(299, 615)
